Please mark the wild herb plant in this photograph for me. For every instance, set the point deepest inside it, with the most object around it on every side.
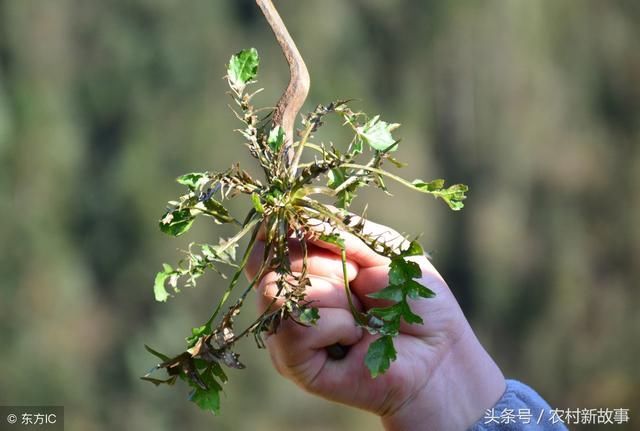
(285, 204)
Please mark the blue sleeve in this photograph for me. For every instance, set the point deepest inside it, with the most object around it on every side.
(520, 409)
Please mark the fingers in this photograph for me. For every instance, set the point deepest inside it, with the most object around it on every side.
(359, 252)
(356, 250)
(319, 261)
(299, 352)
(324, 292)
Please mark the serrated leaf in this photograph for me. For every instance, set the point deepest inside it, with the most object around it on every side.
(191, 180)
(401, 270)
(176, 222)
(209, 398)
(243, 68)
(414, 249)
(377, 134)
(453, 195)
(159, 290)
(429, 187)
(408, 315)
(391, 315)
(391, 292)
(387, 314)
(275, 140)
(380, 355)
(415, 290)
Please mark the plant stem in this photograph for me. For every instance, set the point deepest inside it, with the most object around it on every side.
(298, 88)
(259, 274)
(243, 263)
(384, 173)
(354, 178)
(212, 214)
(357, 315)
(298, 155)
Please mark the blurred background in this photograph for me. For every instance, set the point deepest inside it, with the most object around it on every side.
(535, 105)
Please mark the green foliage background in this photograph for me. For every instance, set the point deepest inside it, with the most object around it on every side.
(535, 105)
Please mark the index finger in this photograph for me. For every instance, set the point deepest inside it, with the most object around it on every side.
(356, 249)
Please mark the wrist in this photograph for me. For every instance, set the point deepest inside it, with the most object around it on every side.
(464, 384)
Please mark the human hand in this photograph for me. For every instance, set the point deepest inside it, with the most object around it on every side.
(442, 378)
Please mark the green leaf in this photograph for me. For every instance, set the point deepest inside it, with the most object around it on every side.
(391, 292)
(407, 314)
(379, 356)
(415, 290)
(337, 177)
(429, 187)
(191, 180)
(453, 196)
(207, 399)
(391, 317)
(217, 211)
(201, 364)
(414, 249)
(388, 314)
(176, 222)
(332, 238)
(159, 290)
(276, 138)
(377, 134)
(217, 371)
(159, 355)
(255, 199)
(243, 68)
(401, 270)
(383, 327)
(196, 333)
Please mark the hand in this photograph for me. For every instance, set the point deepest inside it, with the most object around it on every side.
(443, 379)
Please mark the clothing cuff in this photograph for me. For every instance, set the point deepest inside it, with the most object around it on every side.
(520, 408)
